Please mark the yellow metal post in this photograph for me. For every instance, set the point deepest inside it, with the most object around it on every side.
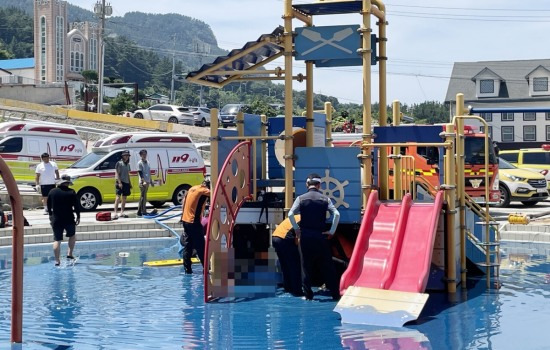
(254, 169)
(397, 171)
(450, 195)
(240, 124)
(309, 104)
(289, 152)
(263, 148)
(367, 111)
(460, 184)
(328, 132)
(214, 147)
(383, 114)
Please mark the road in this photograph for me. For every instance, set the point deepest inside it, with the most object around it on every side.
(502, 213)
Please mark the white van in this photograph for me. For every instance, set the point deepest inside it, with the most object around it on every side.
(22, 143)
(175, 165)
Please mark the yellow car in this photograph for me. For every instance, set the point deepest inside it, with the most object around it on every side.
(534, 159)
(525, 186)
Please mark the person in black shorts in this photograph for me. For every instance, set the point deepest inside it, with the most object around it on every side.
(62, 207)
(46, 176)
(122, 183)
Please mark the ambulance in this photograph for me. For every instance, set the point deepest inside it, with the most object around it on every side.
(175, 164)
(22, 143)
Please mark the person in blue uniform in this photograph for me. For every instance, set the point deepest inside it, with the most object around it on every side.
(315, 249)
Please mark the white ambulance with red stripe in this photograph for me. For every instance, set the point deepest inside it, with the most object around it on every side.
(175, 164)
(22, 143)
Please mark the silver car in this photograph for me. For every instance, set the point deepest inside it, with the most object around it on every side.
(201, 115)
(165, 113)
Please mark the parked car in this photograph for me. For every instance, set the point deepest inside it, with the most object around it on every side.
(201, 115)
(165, 113)
(229, 113)
(525, 186)
(534, 159)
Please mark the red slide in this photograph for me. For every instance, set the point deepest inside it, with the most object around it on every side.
(394, 246)
(415, 259)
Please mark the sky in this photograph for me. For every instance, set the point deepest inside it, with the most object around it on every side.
(425, 38)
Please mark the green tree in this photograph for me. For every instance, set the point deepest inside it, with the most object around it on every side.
(123, 102)
(90, 76)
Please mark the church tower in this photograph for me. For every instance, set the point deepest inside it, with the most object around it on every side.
(50, 40)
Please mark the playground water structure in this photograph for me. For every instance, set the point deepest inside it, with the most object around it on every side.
(238, 247)
(162, 308)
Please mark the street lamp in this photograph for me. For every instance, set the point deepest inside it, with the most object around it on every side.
(102, 11)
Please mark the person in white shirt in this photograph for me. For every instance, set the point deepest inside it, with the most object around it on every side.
(47, 174)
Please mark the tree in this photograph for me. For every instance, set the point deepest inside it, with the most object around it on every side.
(90, 76)
(123, 102)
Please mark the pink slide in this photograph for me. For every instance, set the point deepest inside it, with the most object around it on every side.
(394, 246)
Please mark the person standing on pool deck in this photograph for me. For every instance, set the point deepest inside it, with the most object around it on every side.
(193, 236)
(144, 172)
(122, 183)
(62, 207)
(315, 250)
(46, 175)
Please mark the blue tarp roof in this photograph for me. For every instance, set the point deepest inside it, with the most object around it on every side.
(17, 63)
(328, 8)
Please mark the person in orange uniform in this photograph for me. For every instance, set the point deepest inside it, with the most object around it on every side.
(193, 236)
(285, 243)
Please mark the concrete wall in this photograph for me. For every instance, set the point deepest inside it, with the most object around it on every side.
(47, 95)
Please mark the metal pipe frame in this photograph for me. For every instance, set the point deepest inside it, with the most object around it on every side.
(214, 146)
(289, 142)
(450, 196)
(367, 108)
(460, 183)
(17, 250)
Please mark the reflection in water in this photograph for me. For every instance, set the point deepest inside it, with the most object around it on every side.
(64, 307)
(358, 337)
(102, 303)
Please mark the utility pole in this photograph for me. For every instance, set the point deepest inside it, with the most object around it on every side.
(172, 92)
(101, 10)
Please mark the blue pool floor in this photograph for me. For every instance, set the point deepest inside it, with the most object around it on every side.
(109, 301)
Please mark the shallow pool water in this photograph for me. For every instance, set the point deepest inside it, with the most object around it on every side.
(109, 301)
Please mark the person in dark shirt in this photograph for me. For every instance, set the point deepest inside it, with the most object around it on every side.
(315, 250)
(62, 207)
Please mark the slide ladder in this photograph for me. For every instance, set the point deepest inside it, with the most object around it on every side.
(231, 190)
(389, 268)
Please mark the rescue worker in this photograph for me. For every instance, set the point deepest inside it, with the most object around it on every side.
(285, 243)
(315, 249)
(192, 237)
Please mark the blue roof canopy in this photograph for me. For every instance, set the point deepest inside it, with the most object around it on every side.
(17, 63)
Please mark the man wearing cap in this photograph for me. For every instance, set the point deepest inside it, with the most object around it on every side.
(62, 207)
(122, 183)
(192, 237)
(144, 172)
(46, 176)
(315, 250)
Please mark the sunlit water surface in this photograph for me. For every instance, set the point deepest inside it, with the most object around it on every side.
(109, 301)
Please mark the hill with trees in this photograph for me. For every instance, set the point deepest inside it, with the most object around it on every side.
(147, 60)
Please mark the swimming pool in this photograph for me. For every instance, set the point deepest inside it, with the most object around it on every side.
(109, 301)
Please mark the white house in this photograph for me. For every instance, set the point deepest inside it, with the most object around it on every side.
(499, 84)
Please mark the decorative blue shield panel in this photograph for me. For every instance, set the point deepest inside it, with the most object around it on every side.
(340, 175)
(327, 43)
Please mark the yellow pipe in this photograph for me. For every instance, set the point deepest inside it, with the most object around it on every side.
(250, 138)
(405, 144)
(240, 124)
(247, 72)
(450, 195)
(254, 171)
(461, 185)
(367, 112)
(309, 104)
(263, 134)
(383, 115)
(487, 185)
(396, 108)
(289, 153)
(214, 146)
(328, 113)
